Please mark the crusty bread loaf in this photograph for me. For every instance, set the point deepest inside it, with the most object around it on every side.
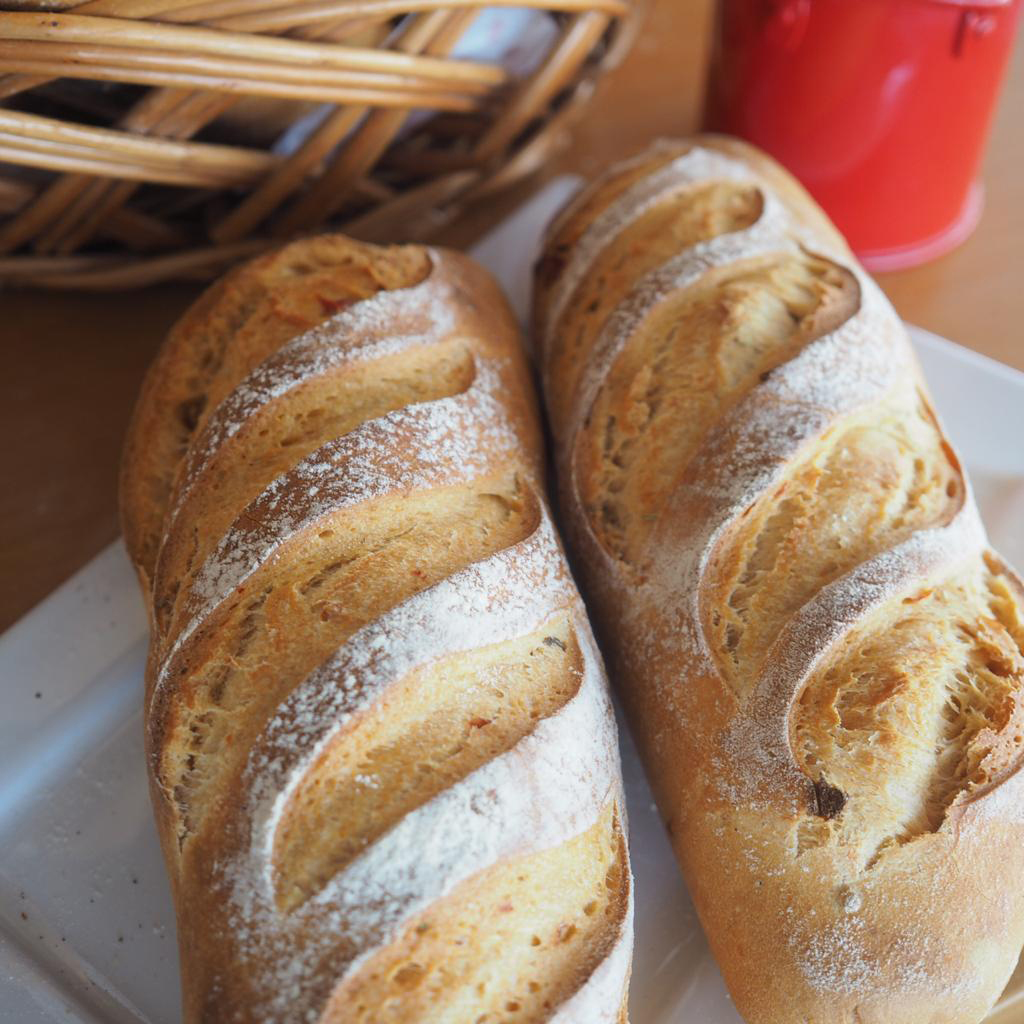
(382, 755)
(820, 655)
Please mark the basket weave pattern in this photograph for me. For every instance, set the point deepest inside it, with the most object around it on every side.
(142, 140)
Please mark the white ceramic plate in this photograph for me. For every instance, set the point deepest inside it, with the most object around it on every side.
(86, 924)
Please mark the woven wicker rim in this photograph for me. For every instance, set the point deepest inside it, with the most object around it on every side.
(82, 228)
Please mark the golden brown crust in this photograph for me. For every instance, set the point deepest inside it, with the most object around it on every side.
(234, 324)
(821, 659)
(377, 727)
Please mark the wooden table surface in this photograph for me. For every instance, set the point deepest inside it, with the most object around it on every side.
(73, 362)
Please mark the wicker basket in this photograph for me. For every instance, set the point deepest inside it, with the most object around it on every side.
(143, 140)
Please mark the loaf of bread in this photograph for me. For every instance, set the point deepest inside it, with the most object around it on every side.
(381, 750)
(820, 655)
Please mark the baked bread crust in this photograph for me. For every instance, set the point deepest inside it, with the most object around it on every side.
(382, 756)
(819, 654)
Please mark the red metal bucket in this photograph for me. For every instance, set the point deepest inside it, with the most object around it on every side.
(880, 107)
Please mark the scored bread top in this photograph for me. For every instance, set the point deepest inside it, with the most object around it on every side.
(381, 749)
(243, 318)
(821, 656)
